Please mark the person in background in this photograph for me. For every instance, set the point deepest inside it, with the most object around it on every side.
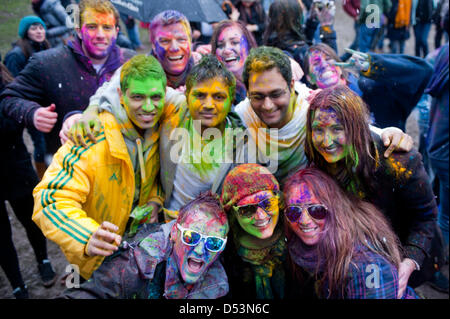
(55, 17)
(19, 179)
(399, 22)
(252, 14)
(32, 33)
(368, 29)
(438, 146)
(285, 28)
(422, 14)
(351, 7)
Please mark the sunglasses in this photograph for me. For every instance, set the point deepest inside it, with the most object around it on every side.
(192, 238)
(269, 205)
(316, 211)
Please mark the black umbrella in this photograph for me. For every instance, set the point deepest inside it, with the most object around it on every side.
(194, 10)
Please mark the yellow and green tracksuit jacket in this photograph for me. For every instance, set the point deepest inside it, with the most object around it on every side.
(85, 186)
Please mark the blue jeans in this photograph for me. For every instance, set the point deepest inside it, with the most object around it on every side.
(366, 36)
(397, 46)
(421, 31)
(441, 170)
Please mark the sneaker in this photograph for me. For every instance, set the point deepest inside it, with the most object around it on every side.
(439, 282)
(47, 273)
(21, 292)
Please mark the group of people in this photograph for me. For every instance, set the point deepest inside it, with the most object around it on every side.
(252, 166)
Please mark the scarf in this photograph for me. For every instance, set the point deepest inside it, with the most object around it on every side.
(266, 261)
(287, 147)
(304, 256)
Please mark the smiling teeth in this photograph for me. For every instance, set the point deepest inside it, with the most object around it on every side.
(173, 58)
(308, 230)
(230, 59)
(262, 224)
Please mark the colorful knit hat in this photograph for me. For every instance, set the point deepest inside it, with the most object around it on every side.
(245, 180)
(26, 22)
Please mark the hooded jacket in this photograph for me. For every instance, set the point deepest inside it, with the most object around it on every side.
(63, 76)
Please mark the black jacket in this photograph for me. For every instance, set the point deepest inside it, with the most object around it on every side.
(63, 76)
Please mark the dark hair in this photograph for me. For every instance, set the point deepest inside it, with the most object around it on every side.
(350, 223)
(266, 58)
(361, 161)
(284, 24)
(26, 46)
(211, 204)
(329, 52)
(229, 23)
(207, 68)
(5, 76)
(257, 6)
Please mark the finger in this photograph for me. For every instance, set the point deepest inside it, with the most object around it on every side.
(363, 55)
(389, 150)
(103, 245)
(94, 251)
(79, 135)
(344, 64)
(46, 120)
(106, 236)
(109, 226)
(89, 134)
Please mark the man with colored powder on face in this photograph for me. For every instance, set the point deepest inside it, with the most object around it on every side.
(90, 197)
(176, 260)
(170, 36)
(59, 81)
(197, 163)
(276, 101)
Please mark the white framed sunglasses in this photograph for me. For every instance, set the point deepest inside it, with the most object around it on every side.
(192, 238)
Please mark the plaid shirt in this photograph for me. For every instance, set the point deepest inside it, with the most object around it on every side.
(371, 276)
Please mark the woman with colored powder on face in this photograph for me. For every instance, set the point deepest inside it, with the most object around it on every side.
(231, 43)
(340, 247)
(382, 80)
(339, 142)
(256, 252)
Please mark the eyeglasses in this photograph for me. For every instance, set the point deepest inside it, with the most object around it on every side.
(316, 211)
(258, 98)
(269, 205)
(192, 238)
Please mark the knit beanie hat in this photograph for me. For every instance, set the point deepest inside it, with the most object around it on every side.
(26, 22)
(245, 180)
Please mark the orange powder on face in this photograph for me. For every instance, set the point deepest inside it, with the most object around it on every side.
(91, 16)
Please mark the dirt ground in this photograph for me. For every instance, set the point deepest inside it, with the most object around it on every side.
(28, 264)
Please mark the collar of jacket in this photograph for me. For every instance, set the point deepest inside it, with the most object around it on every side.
(113, 135)
(110, 65)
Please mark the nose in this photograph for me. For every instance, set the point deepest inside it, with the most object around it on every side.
(148, 105)
(267, 104)
(200, 248)
(260, 214)
(327, 139)
(100, 32)
(208, 104)
(304, 219)
(173, 46)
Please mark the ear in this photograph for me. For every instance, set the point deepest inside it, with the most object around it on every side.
(292, 85)
(119, 91)
(174, 232)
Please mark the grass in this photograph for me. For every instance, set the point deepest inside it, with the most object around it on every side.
(11, 11)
